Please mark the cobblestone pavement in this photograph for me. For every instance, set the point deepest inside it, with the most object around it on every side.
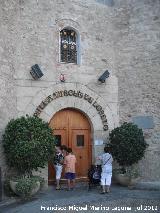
(121, 199)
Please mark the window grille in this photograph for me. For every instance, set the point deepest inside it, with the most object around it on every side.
(68, 46)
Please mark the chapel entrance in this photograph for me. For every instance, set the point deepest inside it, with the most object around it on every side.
(72, 129)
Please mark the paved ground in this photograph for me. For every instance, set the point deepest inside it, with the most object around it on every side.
(121, 199)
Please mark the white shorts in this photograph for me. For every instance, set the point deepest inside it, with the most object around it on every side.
(106, 179)
(58, 169)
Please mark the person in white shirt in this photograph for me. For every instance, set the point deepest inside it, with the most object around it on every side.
(106, 175)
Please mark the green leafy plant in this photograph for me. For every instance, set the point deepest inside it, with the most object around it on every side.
(131, 171)
(25, 186)
(28, 144)
(128, 145)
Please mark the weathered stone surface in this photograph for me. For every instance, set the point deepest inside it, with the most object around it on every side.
(137, 44)
(120, 36)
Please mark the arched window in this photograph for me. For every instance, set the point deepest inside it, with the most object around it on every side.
(68, 39)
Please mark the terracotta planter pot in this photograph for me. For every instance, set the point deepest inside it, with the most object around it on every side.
(33, 191)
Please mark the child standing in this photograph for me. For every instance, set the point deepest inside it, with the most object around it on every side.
(70, 174)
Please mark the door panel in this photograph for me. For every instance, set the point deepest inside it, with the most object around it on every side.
(79, 140)
(61, 136)
(73, 130)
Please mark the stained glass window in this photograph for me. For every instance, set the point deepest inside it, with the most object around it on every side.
(68, 46)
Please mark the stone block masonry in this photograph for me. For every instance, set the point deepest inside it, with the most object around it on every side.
(122, 37)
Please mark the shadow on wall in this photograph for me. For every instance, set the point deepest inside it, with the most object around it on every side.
(109, 3)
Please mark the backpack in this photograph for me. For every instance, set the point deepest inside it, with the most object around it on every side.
(96, 175)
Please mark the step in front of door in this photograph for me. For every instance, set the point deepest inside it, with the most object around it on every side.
(63, 180)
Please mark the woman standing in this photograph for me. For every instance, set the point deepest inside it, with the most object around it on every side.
(58, 164)
(106, 175)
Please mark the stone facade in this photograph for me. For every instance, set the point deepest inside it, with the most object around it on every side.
(121, 36)
(137, 58)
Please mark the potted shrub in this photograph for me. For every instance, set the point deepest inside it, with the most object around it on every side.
(28, 144)
(128, 147)
(25, 187)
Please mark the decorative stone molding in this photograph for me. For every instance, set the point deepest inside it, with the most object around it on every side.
(72, 95)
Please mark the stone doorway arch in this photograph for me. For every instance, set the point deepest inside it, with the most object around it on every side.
(48, 102)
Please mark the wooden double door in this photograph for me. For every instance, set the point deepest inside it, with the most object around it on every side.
(71, 128)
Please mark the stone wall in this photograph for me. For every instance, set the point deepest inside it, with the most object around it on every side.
(118, 35)
(31, 33)
(7, 85)
(137, 62)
